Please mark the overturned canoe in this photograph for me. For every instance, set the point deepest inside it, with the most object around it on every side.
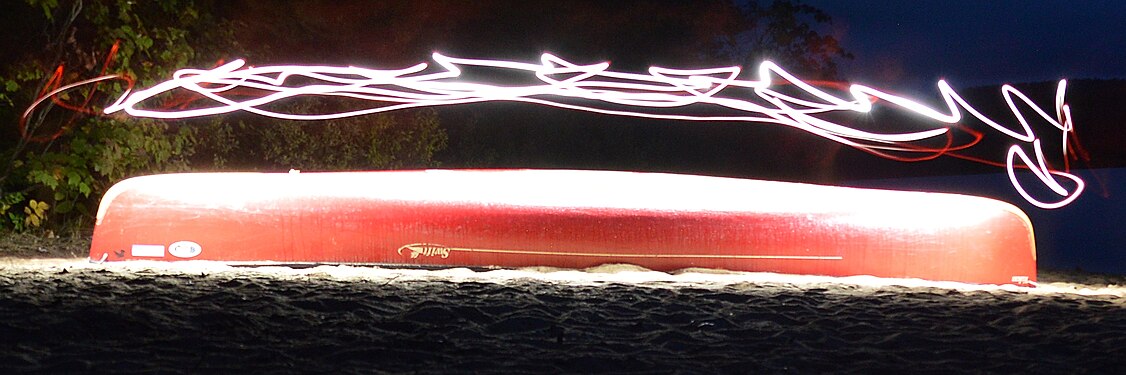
(563, 218)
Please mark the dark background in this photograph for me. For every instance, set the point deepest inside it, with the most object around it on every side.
(900, 47)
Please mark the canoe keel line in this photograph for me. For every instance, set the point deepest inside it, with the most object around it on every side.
(427, 249)
(566, 219)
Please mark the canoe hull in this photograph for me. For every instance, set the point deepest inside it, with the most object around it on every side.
(569, 219)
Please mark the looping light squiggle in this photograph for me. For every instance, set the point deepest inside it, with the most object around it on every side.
(595, 88)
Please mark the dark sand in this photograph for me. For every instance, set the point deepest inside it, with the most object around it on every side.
(67, 315)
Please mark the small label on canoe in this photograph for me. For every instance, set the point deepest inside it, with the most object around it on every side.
(184, 249)
(425, 249)
(153, 251)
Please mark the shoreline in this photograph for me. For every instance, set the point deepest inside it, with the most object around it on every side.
(1050, 281)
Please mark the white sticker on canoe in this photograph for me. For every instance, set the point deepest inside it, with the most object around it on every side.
(184, 249)
(147, 251)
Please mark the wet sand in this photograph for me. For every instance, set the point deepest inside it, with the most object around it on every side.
(67, 315)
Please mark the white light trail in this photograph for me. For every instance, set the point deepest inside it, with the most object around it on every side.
(595, 88)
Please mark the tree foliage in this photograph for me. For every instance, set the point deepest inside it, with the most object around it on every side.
(784, 32)
(69, 155)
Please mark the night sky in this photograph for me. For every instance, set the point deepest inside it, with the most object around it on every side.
(912, 44)
(898, 45)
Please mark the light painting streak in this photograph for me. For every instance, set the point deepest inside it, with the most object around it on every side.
(663, 93)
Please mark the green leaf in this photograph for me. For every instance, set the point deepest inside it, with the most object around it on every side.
(48, 6)
(64, 207)
(73, 179)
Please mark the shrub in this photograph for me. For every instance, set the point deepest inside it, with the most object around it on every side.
(52, 178)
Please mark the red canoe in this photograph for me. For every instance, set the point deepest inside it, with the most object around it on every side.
(561, 218)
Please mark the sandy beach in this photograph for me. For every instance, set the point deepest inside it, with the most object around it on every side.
(69, 315)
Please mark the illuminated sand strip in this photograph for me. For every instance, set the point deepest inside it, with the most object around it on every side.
(601, 275)
(663, 93)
